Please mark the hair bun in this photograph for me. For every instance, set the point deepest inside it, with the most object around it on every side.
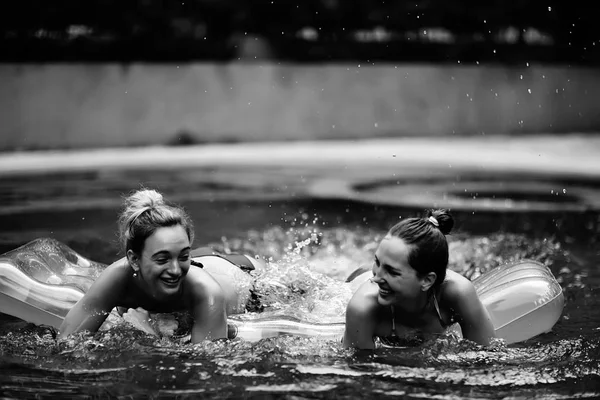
(444, 219)
(144, 198)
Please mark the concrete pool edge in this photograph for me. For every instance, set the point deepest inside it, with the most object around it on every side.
(545, 154)
(549, 172)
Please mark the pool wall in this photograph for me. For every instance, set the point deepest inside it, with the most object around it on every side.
(98, 105)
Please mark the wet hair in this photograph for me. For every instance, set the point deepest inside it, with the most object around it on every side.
(427, 238)
(143, 213)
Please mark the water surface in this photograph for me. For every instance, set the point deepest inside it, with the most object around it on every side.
(311, 246)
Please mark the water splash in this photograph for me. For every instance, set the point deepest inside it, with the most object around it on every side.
(303, 277)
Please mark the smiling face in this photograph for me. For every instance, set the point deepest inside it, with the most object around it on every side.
(164, 262)
(398, 282)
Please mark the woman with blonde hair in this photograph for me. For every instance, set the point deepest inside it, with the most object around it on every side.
(159, 275)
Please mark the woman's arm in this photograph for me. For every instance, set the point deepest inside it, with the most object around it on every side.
(92, 309)
(474, 319)
(360, 322)
(208, 307)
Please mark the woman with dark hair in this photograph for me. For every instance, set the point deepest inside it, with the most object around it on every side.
(412, 294)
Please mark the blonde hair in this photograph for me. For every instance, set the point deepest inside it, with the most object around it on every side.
(143, 213)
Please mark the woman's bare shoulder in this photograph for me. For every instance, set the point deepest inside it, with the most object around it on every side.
(120, 266)
(364, 300)
(199, 284)
(456, 288)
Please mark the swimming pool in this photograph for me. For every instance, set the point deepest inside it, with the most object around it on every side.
(312, 244)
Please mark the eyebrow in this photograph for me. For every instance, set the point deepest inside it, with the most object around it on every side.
(162, 252)
(387, 265)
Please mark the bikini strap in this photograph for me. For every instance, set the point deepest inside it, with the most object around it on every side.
(437, 309)
(393, 321)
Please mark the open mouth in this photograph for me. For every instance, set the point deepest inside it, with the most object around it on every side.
(171, 282)
(384, 292)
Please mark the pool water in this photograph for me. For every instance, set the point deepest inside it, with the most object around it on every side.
(311, 246)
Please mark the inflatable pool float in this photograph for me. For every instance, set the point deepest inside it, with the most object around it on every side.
(42, 280)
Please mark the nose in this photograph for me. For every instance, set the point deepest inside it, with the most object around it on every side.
(174, 268)
(377, 278)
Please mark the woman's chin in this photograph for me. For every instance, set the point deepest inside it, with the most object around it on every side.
(386, 299)
(166, 292)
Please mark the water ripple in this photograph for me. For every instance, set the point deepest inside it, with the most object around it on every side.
(302, 279)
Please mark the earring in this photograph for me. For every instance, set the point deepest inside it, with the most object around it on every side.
(135, 274)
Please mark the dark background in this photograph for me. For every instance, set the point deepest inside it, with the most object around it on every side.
(441, 31)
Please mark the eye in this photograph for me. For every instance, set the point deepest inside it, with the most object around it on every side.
(161, 260)
(375, 266)
(184, 258)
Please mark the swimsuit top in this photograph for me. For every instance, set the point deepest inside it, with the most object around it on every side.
(412, 337)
